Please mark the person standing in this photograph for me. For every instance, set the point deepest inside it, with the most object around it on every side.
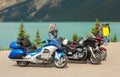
(99, 31)
(106, 33)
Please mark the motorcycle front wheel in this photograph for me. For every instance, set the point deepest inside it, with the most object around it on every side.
(22, 63)
(61, 63)
(97, 59)
(103, 54)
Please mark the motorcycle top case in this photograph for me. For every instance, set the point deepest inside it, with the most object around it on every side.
(14, 45)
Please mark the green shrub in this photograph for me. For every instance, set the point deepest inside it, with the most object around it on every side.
(114, 38)
(74, 37)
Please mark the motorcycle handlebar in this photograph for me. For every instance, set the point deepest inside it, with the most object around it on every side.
(43, 42)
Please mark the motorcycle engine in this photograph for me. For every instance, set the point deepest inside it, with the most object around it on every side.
(45, 55)
(79, 53)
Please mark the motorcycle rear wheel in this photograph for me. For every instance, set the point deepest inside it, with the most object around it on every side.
(96, 60)
(22, 63)
(61, 63)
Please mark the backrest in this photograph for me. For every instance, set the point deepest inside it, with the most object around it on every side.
(25, 42)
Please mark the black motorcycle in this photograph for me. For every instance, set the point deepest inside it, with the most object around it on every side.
(82, 52)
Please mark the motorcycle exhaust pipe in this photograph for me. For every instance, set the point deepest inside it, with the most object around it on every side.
(21, 60)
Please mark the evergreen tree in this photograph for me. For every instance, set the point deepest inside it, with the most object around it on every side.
(89, 35)
(37, 40)
(114, 38)
(97, 21)
(0, 48)
(74, 37)
(22, 32)
(94, 30)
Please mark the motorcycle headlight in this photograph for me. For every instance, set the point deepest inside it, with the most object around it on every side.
(65, 42)
(81, 42)
(96, 43)
(101, 42)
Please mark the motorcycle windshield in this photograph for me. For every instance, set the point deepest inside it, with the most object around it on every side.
(55, 43)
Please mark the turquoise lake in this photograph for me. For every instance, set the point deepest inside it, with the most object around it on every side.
(9, 30)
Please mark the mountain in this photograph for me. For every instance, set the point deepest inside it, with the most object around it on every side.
(59, 10)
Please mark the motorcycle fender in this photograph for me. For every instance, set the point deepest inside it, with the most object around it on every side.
(102, 49)
(94, 51)
(16, 52)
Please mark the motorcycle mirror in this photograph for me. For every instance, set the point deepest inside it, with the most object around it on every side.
(43, 42)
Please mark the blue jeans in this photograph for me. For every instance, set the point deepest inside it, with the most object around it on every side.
(106, 40)
(50, 36)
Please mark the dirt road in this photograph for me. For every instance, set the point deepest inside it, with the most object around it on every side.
(108, 68)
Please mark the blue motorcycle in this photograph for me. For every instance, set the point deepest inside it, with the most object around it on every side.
(48, 53)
